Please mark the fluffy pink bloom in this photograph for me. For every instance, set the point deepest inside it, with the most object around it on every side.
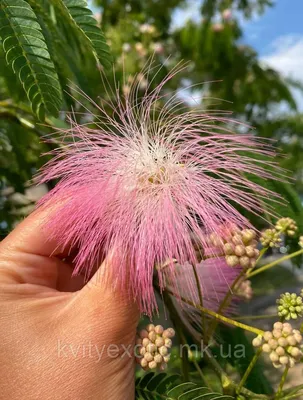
(215, 279)
(144, 182)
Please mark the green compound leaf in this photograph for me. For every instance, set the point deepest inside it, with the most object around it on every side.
(80, 17)
(27, 53)
(161, 386)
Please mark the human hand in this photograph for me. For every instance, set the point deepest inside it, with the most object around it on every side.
(59, 337)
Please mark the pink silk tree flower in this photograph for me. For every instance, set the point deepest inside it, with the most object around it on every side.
(146, 180)
(215, 279)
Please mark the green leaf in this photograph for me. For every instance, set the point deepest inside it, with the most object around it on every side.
(159, 386)
(80, 17)
(27, 53)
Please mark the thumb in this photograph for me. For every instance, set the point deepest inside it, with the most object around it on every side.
(108, 307)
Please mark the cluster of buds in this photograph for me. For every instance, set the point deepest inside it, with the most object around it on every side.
(218, 27)
(244, 289)
(271, 238)
(227, 14)
(301, 241)
(287, 226)
(140, 49)
(147, 28)
(153, 347)
(239, 246)
(283, 345)
(290, 306)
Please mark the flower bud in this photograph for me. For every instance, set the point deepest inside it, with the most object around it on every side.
(239, 250)
(163, 351)
(169, 333)
(158, 358)
(152, 365)
(143, 363)
(274, 356)
(267, 335)
(284, 360)
(232, 261)
(168, 343)
(148, 357)
(244, 262)
(151, 348)
(266, 348)
(280, 351)
(145, 342)
(257, 341)
(228, 249)
(159, 329)
(150, 327)
(160, 341)
(152, 336)
(143, 334)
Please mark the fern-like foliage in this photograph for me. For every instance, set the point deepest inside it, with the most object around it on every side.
(27, 53)
(165, 387)
(81, 19)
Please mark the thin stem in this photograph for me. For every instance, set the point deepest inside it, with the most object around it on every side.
(293, 389)
(272, 264)
(249, 369)
(219, 316)
(200, 297)
(252, 317)
(203, 377)
(283, 378)
(294, 396)
(262, 252)
(225, 302)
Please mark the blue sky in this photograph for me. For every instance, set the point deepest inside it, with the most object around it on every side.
(277, 35)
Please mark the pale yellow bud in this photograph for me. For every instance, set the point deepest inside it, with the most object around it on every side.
(163, 351)
(169, 333)
(273, 343)
(144, 363)
(250, 251)
(291, 340)
(148, 357)
(142, 351)
(257, 341)
(274, 356)
(150, 327)
(152, 365)
(280, 351)
(228, 249)
(284, 360)
(282, 342)
(267, 335)
(239, 250)
(159, 342)
(237, 239)
(232, 261)
(245, 262)
(152, 336)
(158, 358)
(168, 343)
(143, 334)
(151, 348)
(266, 348)
(159, 329)
(145, 342)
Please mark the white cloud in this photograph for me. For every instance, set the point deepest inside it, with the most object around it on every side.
(287, 56)
(191, 11)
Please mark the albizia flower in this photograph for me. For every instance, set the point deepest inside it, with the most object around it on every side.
(146, 181)
(215, 279)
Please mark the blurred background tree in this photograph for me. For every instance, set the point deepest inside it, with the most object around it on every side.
(57, 49)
